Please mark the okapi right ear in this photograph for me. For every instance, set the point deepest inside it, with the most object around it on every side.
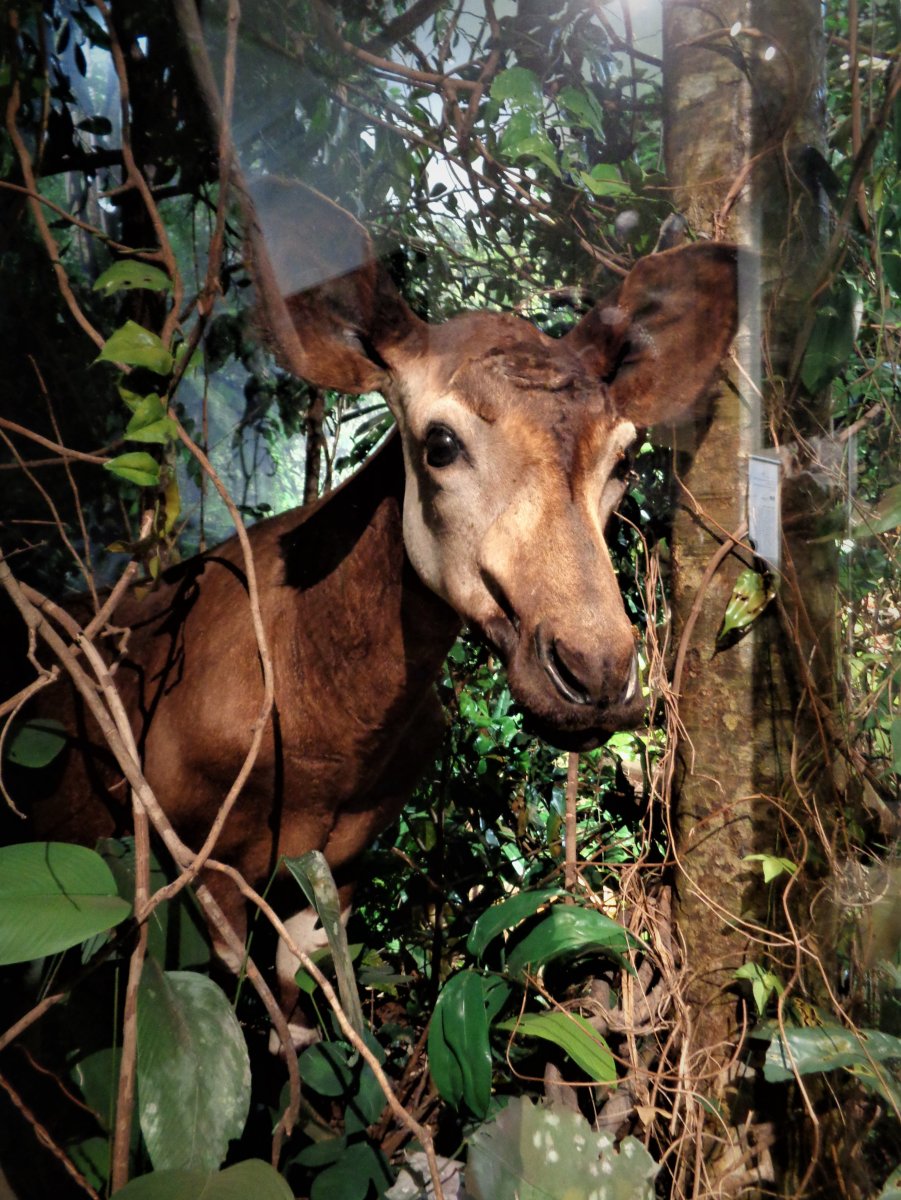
(326, 304)
(658, 344)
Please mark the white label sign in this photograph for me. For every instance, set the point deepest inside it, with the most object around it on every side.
(764, 506)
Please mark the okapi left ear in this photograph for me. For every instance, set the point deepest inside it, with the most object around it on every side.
(659, 342)
(325, 304)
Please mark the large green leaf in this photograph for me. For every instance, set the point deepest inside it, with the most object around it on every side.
(506, 915)
(35, 743)
(459, 1050)
(150, 422)
(129, 274)
(244, 1180)
(800, 1051)
(831, 341)
(53, 896)
(538, 1152)
(137, 467)
(360, 1166)
(583, 108)
(136, 346)
(573, 1034)
(883, 518)
(193, 1070)
(567, 930)
(335, 1069)
(519, 86)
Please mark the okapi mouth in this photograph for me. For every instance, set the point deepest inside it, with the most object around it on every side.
(573, 700)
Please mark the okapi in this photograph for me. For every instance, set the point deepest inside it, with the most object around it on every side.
(488, 506)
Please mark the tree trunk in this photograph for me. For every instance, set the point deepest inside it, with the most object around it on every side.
(743, 114)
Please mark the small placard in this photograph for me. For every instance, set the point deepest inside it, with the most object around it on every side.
(764, 505)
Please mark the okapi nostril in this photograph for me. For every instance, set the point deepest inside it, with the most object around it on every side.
(566, 671)
(563, 673)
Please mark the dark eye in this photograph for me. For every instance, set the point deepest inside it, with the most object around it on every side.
(441, 446)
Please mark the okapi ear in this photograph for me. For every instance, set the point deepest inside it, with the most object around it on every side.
(659, 342)
(326, 305)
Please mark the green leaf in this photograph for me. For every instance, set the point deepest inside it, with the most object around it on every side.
(52, 896)
(36, 742)
(885, 517)
(583, 108)
(749, 598)
(568, 930)
(773, 866)
(150, 422)
(520, 87)
(604, 180)
(312, 873)
(137, 467)
(459, 1051)
(252, 1178)
(573, 1034)
(763, 983)
(822, 1048)
(335, 1069)
(506, 915)
(350, 1178)
(517, 144)
(129, 274)
(136, 347)
(831, 341)
(540, 1152)
(193, 1070)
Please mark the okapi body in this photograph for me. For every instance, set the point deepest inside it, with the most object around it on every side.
(488, 507)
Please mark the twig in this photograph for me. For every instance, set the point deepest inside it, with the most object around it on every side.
(43, 1136)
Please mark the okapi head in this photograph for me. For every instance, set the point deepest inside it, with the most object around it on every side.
(514, 442)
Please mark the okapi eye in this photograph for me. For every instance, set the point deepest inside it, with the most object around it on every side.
(441, 446)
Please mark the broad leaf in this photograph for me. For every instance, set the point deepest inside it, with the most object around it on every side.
(883, 518)
(136, 346)
(36, 742)
(137, 467)
(52, 896)
(750, 596)
(350, 1178)
(459, 1050)
(583, 108)
(506, 915)
(568, 930)
(535, 1152)
(252, 1178)
(129, 274)
(832, 338)
(604, 180)
(150, 422)
(773, 866)
(763, 983)
(823, 1047)
(519, 86)
(193, 1070)
(335, 1069)
(573, 1034)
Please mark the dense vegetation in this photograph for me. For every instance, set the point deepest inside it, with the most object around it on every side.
(508, 156)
